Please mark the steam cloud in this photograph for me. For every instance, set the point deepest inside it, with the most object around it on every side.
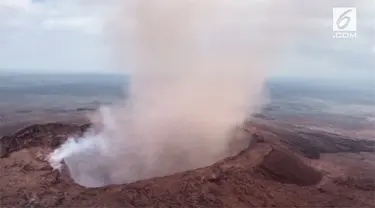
(198, 72)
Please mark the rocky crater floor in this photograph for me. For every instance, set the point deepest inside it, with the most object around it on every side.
(279, 167)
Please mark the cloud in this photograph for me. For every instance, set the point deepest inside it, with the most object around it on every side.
(91, 25)
(71, 34)
(79, 15)
(17, 4)
(54, 35)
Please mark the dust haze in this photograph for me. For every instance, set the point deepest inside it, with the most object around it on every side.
(197, 71)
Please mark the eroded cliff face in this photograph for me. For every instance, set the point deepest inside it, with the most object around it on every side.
(50, 135)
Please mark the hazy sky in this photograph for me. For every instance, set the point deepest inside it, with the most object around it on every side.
(56, 35)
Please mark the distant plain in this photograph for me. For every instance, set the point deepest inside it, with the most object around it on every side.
(341, 107)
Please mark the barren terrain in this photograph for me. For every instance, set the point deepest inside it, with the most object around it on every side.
(311, 146)
(279, 167)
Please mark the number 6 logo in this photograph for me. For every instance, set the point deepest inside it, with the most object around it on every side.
(343, 17)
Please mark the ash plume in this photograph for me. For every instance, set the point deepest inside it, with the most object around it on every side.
(197, 71)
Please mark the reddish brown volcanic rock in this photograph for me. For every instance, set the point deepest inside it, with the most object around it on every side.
(49, 135)
(272, 172)
(287, 168)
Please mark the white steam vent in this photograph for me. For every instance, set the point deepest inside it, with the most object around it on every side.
(198, 71)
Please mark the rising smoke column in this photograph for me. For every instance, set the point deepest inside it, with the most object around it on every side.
(198, 69)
